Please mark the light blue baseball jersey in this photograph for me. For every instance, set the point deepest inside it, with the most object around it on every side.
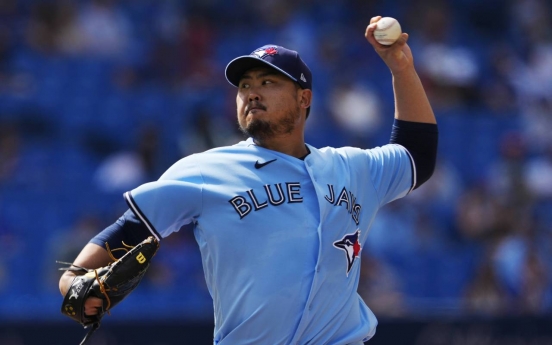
(280, 237)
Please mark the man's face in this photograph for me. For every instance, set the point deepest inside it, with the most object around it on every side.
(268, 103)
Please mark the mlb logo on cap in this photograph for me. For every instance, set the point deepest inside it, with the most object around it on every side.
(286, 61)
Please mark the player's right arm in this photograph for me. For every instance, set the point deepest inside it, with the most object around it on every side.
(156, 209)
(92, 256)
(128, 229)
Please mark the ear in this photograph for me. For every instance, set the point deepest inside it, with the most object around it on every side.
(305, 98)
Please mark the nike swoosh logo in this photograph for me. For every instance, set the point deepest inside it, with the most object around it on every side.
(260, 165)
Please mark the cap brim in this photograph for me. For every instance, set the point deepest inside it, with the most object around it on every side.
(237, 67)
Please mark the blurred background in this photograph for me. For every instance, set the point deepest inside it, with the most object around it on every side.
(99, 96)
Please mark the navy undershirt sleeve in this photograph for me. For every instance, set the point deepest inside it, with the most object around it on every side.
(421, 140)
(128, 229)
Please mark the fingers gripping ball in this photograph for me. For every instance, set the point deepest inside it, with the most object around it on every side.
(111, 283)
(387, 31)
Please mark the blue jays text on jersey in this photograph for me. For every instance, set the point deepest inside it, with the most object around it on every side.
(244, 205)
(275, 196)
(280, 244)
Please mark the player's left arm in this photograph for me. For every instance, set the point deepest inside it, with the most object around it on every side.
(411, 102)
(415, 125)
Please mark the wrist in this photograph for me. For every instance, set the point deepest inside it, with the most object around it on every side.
(405, 72)
(65, 282)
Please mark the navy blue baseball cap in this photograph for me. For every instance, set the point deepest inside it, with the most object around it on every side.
(286, 61)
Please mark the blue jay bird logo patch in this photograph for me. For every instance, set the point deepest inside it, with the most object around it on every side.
(261, 53)
(351, 246)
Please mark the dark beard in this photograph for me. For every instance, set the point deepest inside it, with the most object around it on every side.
(262, 130)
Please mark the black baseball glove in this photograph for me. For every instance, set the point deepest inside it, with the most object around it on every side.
(111, 283)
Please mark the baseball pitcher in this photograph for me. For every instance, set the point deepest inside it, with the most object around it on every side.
(281, 224)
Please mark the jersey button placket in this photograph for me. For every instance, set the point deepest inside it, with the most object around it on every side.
(308, 165)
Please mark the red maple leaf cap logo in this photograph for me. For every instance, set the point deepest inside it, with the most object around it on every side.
(271, 51)
(262, 53)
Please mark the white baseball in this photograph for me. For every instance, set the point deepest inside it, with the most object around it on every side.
(388, 30)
